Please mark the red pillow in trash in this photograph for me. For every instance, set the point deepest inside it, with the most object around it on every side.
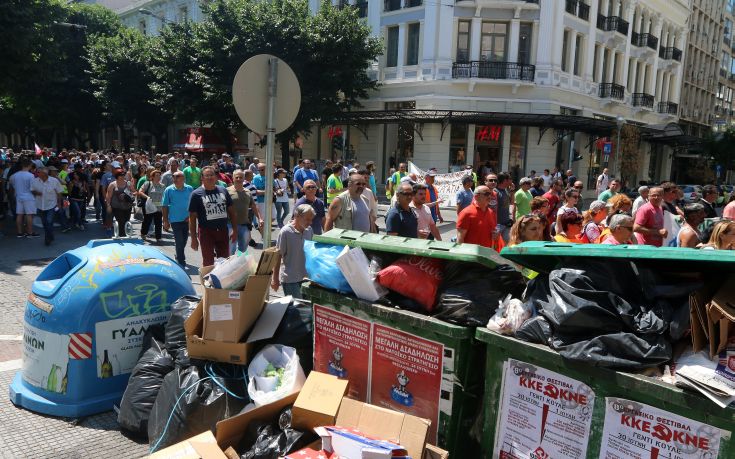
(417, 278)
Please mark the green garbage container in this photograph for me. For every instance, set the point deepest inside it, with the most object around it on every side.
(369, 343)
(535, 400)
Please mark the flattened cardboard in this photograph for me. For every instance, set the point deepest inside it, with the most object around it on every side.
(319, 401)
(701, 327)
(202, 446)
(237, 353)
(721, 314)
(231, 430)
(434, 452)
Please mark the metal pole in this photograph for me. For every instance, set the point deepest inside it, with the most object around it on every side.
(617, 153)
(571, 154)
(269, 154)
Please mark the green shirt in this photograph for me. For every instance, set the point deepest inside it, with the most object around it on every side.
(141, 181)
(523, 203)
(193, 176)
(333, 182)
(605, 195)
(396, 177)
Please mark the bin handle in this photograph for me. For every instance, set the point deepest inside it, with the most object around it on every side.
(443, 249)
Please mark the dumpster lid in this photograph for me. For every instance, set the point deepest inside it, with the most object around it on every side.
(545, 256)
(410, 246)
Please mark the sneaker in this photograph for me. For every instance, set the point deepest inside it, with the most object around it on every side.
(252, 243)
(21, 236)
(33, 235)
(66, 230)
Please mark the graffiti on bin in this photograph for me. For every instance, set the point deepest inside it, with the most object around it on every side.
(143, 299)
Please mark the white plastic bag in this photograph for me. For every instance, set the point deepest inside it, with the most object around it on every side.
(510, 316)
(150, 207)
(356, 268)
(262, 389)
(233, 272)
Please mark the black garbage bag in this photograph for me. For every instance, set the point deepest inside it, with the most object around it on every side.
(188, 405)
(470, 293)
(599, 314)
(535, 330)
(264, 440)
(295, 330)
(181, 309)
(154, 333)
(140, 394)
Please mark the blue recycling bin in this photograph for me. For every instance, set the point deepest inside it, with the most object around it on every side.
(84, 324)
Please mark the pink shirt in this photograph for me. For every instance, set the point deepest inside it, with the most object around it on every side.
(729, 211)
(652, 218)
(611, 240)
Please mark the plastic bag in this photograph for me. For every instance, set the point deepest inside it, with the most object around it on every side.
(321, 266)
(414, 277)
(355, 266)
(273, 374)
(150, 207)
(295, 330)
(188, 405)
(471, 292)
(535, 330)
(140, 394)
(181, 309)
(272, 441)
(232, 273)
(510, 315)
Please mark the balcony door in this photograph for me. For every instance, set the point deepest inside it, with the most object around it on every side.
(493, 49)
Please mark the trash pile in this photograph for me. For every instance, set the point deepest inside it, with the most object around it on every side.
(229, 375)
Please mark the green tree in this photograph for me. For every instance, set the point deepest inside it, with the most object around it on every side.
(122, 81)
(329, 52)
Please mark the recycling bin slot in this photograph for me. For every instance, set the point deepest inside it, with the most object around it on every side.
(442, 249)
(84, 324)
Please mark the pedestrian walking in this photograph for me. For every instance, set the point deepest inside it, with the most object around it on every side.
(426, 226)
(306, 172)
(25, 201)
(282, 192)
(152, 191)
(47, 191)
(120, 201)
(310, 197)
(602, 182)
(350, 209)
(211, 209)
(465, 195)
(192, 174)
(649, 220)
(689, 235)
(290, 269)
(244, 206)
(175, 213)
(477, 222)
(401, 220)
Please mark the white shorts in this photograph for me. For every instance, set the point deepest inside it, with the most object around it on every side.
(25, 207)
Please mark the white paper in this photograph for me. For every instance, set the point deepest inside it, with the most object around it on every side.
(636, 430)
(45, 358)
(219, 312)
(269, 319)
(543, 414)
(717, 374)
(123, 339)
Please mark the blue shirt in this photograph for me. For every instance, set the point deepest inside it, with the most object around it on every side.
(433, 198)
(318, 206)
(177, 202)
(402, 222)
(464, 199)
(373, 186)
(259, 183)
(302, 175)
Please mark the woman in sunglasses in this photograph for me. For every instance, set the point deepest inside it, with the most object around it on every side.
(570, 224)
(527, 228)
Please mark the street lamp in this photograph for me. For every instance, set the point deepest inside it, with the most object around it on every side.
(620, 121)
(147, 12)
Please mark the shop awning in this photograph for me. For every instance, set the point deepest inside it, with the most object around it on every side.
(669, 134)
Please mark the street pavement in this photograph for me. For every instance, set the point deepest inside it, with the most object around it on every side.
(24, 434)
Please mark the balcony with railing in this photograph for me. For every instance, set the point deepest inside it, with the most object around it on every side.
(668, 108)
(494, 70)
(670, 53)
(643, 40)
(612, 24)
(578, 8)
(641, 99)
(612, 91)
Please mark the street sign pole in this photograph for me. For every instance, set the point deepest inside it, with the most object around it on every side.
(269, 149)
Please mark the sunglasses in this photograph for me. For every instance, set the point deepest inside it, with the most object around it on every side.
(579, 187)
(406, 193)
(310, 187)
(492, 180)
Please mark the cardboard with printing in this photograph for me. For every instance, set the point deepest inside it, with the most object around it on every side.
(238, 353)
(202, 446)
(229, 314)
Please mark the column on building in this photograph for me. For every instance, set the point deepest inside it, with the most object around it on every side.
(515, 30)
(589, 67)
(628, 17)
(476, 34)
(546, 34)
(557, 35)
(402, 32)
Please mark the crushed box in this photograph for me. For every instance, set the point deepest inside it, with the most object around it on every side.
(202, 446)
(712, 314)
(265, 327)
(319, 401)
(229, 314)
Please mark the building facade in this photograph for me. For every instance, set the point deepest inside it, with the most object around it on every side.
(724, 110)
(518, 86)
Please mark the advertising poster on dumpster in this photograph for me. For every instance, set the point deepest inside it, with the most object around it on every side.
(342, 348)
(637, 431)
(543, 415)
(119, 342)
(406, 374)
(45, 359)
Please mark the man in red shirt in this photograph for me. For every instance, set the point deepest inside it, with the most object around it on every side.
(554, 198)
(476, 223)
(649, 219)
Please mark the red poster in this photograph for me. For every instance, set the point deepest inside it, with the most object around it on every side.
(342, 349)
(406, 374)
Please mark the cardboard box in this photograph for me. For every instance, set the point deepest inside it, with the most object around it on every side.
(354, 444)
(712, 316)
(229, 314)
(238, 353)
(318, 402)
(202, 446)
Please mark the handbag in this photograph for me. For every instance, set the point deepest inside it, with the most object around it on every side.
(150, 208)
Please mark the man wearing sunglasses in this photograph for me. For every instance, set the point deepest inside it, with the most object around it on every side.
(350, 210)
(401, 219)
(476, 223)
(310, 190)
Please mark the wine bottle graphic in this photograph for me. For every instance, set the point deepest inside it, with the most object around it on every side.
(106, 369)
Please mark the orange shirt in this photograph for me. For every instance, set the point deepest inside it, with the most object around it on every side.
(478, 224)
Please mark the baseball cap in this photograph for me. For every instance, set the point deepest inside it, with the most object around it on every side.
(64, 161)
(115, 165)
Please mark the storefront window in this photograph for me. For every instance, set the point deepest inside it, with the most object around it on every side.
(399, 137)
(488, 147)
(457, 147)
(517, 158)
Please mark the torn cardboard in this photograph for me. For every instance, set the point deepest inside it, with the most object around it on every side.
(231, 430)
(202, 446)
(318, 402)
(238, 353)
(712, 315)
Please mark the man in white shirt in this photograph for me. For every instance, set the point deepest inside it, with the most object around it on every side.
(48, 199)
(640, 200)
(602, 182)
(25, 202)
(547, 179)
(426, 227)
